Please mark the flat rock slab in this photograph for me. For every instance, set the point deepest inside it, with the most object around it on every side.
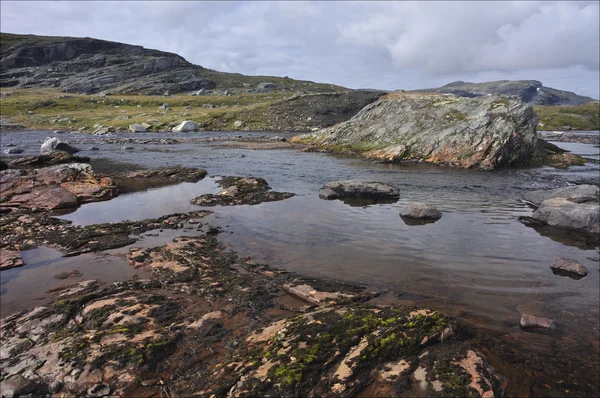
(241, 191)
(139, 180)
(49, 159)
(576, 193)
(358, 189)
(569, 267)
(55, 187)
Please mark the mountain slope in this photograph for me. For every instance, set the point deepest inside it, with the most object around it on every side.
(530, 91)
(85, 65)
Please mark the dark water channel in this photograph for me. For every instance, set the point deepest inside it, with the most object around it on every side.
(477, 262)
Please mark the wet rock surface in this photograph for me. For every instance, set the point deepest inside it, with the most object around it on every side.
(49, 159)
(241, 191)
(575, 193)
(569, 267)
(355, 190)
(536, 322)
(56, 187)
(26, 231)
(208, 322)
(421, 211)
(142, 179)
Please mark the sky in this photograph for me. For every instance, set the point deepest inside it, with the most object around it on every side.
(385, 45)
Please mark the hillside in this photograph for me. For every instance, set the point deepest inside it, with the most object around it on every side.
(530, 91)
(580, 117)
(87, 66)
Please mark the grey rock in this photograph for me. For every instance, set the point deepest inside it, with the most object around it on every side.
(267, 86)
(13, 151)
(54, 144)
(277, 138)
(421, 211)
(123, 117)
(538, 322)
(564, 213)
(99, 390)
(127, 148)
(137, 128)
(238, 124)
(16, 386)
(569, 267)
(483, 132)
(575, 193)
(55, 386)
(185, 126)
(358, 189)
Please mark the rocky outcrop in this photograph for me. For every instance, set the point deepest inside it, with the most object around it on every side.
(137, 128)
(484, 132)
(356, 189)
(530, 91)
(55, 187)
(144, 337)
(241, 191)
(54, 144)
(49, 159)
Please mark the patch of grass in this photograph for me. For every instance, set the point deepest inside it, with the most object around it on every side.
(581, 117)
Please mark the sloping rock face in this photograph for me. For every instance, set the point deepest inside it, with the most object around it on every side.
(52, 188)
(483, 132)
(304, 112)
(84, 65)
(530, 91)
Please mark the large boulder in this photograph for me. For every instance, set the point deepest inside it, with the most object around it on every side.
(185, 127)
(565, 213)
(137, 128)
(54, 144)
(484, 132)
(267, 86)
(358, 189)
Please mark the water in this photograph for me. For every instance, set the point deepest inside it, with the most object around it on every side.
(477, 262)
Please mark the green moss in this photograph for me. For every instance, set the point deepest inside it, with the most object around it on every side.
(581, 117)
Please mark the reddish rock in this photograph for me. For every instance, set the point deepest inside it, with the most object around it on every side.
(55, 187)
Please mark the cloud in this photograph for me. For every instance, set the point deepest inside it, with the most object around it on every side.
(386, 45)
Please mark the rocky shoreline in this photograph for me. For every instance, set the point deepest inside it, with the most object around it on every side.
(209, 322)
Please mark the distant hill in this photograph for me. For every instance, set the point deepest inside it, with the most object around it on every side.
(530, 91)
(85, 65)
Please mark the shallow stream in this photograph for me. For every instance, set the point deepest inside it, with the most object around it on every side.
(478, 262)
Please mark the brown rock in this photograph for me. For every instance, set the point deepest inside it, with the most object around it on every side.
(10, 259)
(532, 321)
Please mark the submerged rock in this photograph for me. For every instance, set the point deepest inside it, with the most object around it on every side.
(241, 191)
(532, 321)
(358, 189)
(54, 144)
(12, 151)
(484, 132)
(139, 180)
(569, 267)
(421, 211)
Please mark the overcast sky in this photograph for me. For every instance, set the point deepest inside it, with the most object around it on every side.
(386, 45)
